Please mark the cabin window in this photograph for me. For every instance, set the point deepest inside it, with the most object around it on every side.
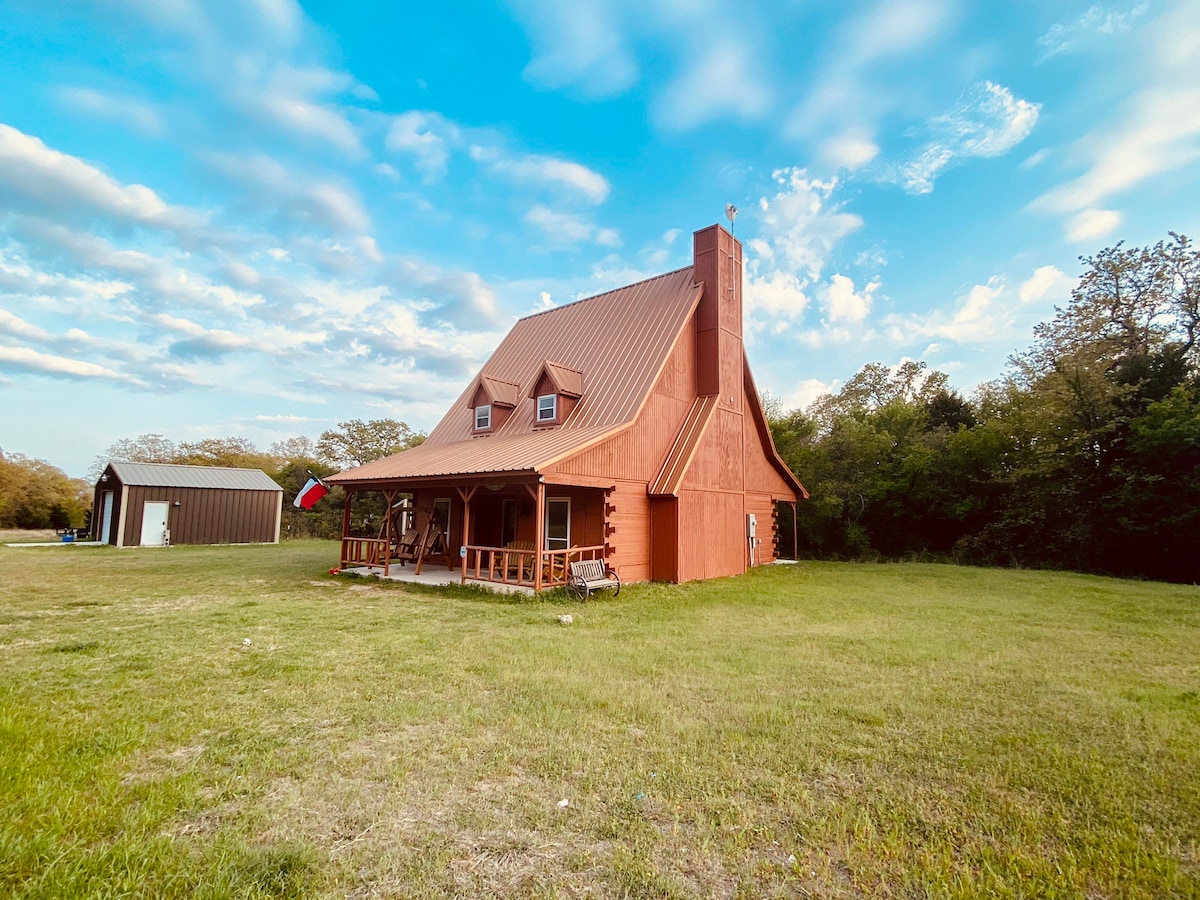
(483, 417)
(547, 408)
(558, 523)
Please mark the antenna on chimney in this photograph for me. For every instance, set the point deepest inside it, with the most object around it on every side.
(730, 214)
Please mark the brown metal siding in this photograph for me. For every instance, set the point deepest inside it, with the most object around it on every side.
(206, 516)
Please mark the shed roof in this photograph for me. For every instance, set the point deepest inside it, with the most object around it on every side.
(217, 477)
(618, 341)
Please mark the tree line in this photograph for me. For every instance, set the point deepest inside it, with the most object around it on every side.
(1084, 454)
(37, 495)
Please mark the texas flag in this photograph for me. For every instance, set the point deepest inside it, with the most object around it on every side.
(312, 491)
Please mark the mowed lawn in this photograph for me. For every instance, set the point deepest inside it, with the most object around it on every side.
(236, 722)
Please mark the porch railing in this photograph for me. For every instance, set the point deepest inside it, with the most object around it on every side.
(509, 565)
(365, 552)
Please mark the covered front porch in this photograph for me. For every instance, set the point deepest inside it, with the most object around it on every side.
(517, 532)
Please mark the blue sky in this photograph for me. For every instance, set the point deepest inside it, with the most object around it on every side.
(262, 218)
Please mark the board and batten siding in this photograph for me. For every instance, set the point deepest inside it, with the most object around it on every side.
(205, 515)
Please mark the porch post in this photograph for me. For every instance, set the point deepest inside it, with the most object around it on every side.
(539, 540)
(346, 522)
(388, 497)
(466, 532)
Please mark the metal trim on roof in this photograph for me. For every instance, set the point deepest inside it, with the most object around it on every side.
(214, 477)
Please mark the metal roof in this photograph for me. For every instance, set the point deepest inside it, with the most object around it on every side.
(619, 341)
(670, 476)
(164, 475)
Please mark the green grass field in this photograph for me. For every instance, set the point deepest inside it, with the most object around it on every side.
(819, 730)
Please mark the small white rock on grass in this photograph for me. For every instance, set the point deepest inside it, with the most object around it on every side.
(566, 619)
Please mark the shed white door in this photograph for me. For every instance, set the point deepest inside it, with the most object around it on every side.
(154, 523)
(106, 517)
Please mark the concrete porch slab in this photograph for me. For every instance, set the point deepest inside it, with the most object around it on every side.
(435, 576)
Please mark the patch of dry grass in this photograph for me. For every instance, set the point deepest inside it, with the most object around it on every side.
(230, 722)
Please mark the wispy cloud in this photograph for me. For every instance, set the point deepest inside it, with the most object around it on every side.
(140, 116)
(1097, 23)
(543, 171)
(565, 230)
(295, 197)
(1155, 131)
(987, 121)
(855, 86)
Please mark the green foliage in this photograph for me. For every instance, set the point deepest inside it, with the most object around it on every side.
(356, 442)
(1083, 456)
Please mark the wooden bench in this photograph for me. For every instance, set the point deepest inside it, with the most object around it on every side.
(589, 575)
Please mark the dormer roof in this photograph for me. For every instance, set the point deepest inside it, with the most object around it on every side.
(563, 380)
(497, 392)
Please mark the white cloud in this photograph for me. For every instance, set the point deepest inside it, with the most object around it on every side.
(775, 297)
(538, 170)
(1046, 283)
(719, 81)
(427, 137)
(987, 121)
(1097, 22)
(1158, 131)
(851, 93)
(138, 115)
(1153, 132)
(806, 391)
(987, 313)
(567, 229)
(800, 225)
(23, 359)
(18, 327)
(580, 45)
(842, 303)
(303, 200)
(1091, 224)
(41, 177)
(849, 151)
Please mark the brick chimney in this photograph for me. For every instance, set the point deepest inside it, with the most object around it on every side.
(717, 256)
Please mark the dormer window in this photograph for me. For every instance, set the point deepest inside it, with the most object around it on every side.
(556, 389)
(491, 403)
(483, 417)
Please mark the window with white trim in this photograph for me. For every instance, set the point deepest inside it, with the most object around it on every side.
(483, 417)
(547, 408)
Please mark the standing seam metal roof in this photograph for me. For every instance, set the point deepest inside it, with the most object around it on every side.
(166, 475)
(618, 340)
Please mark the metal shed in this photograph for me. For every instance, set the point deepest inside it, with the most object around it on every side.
(153, 505)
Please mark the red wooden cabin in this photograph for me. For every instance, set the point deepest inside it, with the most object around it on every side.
(624, 427)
